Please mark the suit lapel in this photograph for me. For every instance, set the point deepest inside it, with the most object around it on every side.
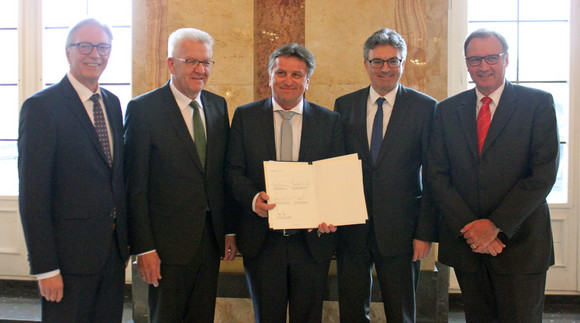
(114, 122)
(175, 118)
(467, 119)
(266, 128)
(395, 123)
(308, 132)
(210, 112)
(501, 116)
(360, 123)
(76, 106)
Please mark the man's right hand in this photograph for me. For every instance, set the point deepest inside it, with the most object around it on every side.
(149, 266)
(51, 288)
(262, 206)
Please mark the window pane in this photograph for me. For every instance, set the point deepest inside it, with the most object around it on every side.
(9, 112)
(561, 94)
(120, 16)
(510, 32)
(8, 168)
(54, 63)
(121, 91)
(493, 10)
(9, 14)
(556, 61)
(63, 12)
(119, 67)
(9, 58)
(559, 193)
(542, 10)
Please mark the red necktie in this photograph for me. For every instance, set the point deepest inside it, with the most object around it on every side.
(483, 121)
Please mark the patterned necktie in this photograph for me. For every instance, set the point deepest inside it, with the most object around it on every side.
(101, 127)
(198, 133)
(483, 122)
(377, 134)
(286, 135)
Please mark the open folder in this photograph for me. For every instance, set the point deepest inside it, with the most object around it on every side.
(307, 194)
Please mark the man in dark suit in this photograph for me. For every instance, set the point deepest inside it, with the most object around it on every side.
(491, 183)
(72, 197)
(392, 144)
(282, 265)
(175, 140)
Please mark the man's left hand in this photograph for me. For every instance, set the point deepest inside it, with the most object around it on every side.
(480, 233)
(421, 249)
(231, 248)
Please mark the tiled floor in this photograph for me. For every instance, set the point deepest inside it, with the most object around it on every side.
(19, 303)
(26, 309)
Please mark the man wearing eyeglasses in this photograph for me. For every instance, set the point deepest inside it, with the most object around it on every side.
(179, 212)
(72, 196)
(388, 126)
(493, 160)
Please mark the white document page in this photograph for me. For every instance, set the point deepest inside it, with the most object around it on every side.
(329, 190)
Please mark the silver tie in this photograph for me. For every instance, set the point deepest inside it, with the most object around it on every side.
(286, 135)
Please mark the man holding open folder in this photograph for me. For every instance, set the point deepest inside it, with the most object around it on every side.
(282, 266)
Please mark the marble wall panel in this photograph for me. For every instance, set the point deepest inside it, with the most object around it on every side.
(277, 22)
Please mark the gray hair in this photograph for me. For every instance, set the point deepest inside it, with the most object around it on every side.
(88, 21)
(385, 36)
(294, 50)
(183, 34)
(485, 33)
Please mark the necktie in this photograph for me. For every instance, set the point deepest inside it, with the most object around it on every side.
(377, 134)
(483, 122)
(101, 127)
(286, 135)
(198, 133)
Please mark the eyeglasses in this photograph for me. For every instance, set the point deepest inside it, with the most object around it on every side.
(391, 62)
(475, 61)
(193, 62)
(86, 48)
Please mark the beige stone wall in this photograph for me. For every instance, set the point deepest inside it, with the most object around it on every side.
(230, 22)
(334, 31)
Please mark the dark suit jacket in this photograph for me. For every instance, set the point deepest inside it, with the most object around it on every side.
(67, 190)
(507, 185)
(398, 208)
(252, 143)
(168, 191)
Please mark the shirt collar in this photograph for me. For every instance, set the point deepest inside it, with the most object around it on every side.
(298, 109)
(183, 100)
(83, 92)
(390, 97)
(494, 96)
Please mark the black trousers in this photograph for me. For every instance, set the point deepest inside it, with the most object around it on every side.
(284, 277)
(398, 278)
(91, 298)
(492, 297)
(188, 293)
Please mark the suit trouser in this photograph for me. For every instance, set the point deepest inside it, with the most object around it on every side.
(398, 278)
(187, 293)
(284, 273)
(91, 298)
(492, 297)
